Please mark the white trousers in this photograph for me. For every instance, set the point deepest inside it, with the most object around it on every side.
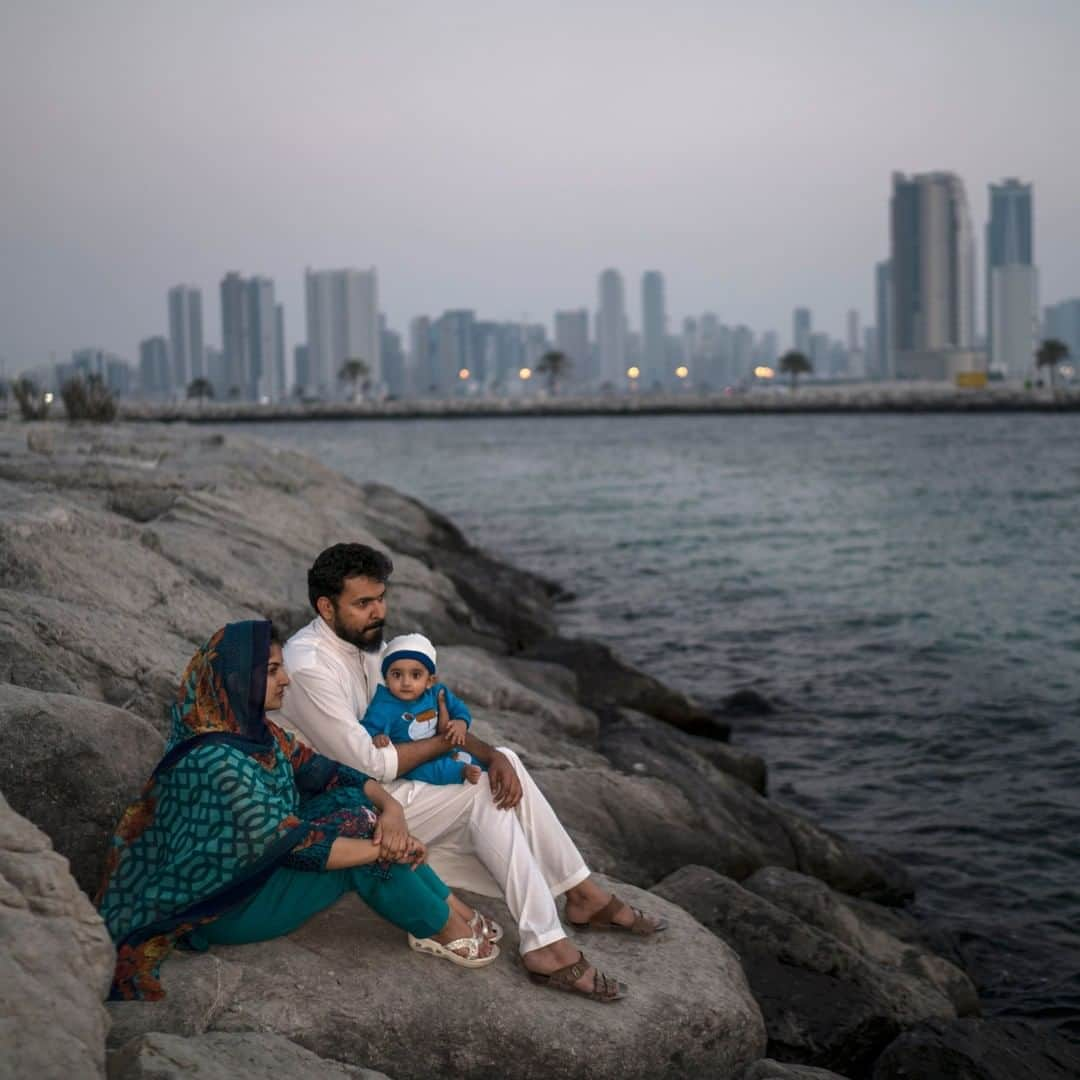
(524, 854)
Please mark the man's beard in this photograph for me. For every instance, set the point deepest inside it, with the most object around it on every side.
(369, 640)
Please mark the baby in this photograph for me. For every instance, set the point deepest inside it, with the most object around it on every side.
(412, 705)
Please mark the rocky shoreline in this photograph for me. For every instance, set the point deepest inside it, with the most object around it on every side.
(122, 548)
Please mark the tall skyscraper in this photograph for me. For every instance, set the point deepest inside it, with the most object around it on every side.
(249, 330)
(342, 324)
(654, 330)
(611, 328)
(572, 340)
(1012, 301)
(801, 329)
(933, 277)
(883, 305)
(185, 336)
(155, 378)
(282, 383)
(420, 379)
(453, 350)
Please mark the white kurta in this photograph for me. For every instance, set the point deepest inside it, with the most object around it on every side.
(524, 855)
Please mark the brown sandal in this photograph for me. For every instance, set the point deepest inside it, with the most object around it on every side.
(604, 988)
(604, 919)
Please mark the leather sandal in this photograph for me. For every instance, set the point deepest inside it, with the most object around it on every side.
(604, 919)
(604, 988)
(463, 951)
(482, 926)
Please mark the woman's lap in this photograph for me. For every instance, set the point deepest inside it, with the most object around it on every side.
(414, 900)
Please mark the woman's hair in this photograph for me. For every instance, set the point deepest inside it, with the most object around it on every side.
(329, 571)
(275, 636)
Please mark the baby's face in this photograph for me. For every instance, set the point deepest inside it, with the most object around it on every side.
(408, 679)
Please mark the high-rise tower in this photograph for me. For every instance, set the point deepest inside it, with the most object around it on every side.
(653, 329)
(342, 324)
(933, 277)
(611, 328)
(1012, 301)
(185, 336)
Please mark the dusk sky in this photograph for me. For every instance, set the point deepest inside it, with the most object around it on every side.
(498, 156)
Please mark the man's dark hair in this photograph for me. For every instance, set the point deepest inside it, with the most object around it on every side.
(275, 635)
(329, 571)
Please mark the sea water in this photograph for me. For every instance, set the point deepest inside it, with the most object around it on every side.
(904, 589)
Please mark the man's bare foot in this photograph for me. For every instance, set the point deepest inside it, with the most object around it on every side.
(473, 774)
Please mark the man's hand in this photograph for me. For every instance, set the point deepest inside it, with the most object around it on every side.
(505, 785)
(455, 732)
(380, 740)
(392, 835)
(444, 713)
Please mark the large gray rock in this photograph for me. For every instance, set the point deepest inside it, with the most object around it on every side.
(608, 682)
(73, 766)
(634, 741)
(979, 1050)
(670, 806)
(767, 1069)
(198, 986)
(347, 987)
(815, 903)
(824, 1003)
(56, 961)
(226, 1056)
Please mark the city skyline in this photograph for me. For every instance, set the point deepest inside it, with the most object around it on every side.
(418, 141)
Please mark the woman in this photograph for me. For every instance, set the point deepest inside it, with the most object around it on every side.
(242, 834)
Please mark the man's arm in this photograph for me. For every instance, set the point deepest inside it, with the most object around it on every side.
(318, 708)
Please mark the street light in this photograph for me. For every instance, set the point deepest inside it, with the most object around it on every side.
(463, 374)
(682, 371)
(633, 372)
(525, 373)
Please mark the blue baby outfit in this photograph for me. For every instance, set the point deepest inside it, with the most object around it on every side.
(409, 721)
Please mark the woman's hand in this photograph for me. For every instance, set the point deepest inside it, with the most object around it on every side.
(416, 854)
(392, 834)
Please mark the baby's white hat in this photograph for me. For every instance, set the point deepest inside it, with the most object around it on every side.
(409, 647)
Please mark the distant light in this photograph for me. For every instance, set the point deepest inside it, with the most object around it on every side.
(1067, 370)
(763, 372)
(463, 373)
(633, 372)
(682, 371)
(48, 397)
(525, 373)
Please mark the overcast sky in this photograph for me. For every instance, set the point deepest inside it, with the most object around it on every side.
(499, 155)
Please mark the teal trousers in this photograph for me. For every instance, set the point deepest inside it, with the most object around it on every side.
(415, 900)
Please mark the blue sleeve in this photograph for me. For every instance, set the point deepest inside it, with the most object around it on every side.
(378, 718)
(443, 770)
(455, 706)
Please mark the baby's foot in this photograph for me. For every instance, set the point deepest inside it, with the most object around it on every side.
(472, 774)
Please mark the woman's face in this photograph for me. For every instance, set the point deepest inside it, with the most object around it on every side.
(277, 678)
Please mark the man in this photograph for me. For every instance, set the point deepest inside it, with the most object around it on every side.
(499, 837)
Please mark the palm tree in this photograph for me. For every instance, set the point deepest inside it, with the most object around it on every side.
(795, 363)
(554, 365)
(352, 371)
(1051, 352)
(200, 388)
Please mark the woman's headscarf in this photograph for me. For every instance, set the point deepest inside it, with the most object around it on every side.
(217, 817)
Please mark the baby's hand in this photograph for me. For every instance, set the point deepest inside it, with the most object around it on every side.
(455, 732)
(380, 741)
(472, 774)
